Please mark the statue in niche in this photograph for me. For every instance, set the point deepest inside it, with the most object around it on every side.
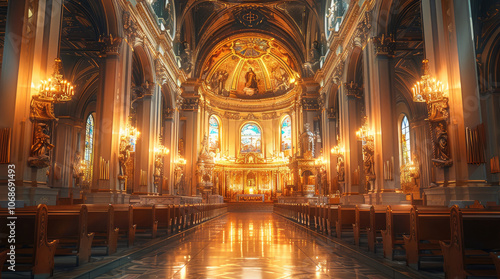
(40, 156)
(251, 87)
(307, 143)
(312, 65)
(124, 154)
(186, 64)
(442, 152)
(41, 145)
(77, 166)
(340, 168)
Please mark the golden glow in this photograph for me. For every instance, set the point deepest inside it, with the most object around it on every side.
(161, 150)
(56, 89)
(131, 133)
(337, 150)
(428, 89)
(364, 133)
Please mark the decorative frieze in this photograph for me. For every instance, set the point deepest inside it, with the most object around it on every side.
(190, 103)
(269, 115)
(310, 103)
(232, 115)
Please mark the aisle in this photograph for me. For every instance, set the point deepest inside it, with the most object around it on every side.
(246, 245)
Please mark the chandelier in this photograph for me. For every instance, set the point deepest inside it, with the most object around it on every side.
(56, 89)
(131, 133)
(428, 89)
(364, 133)
(337, 150)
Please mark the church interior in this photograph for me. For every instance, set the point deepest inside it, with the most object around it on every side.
(250, 139)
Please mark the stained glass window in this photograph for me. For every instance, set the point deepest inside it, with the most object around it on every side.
(286, 134)
(213, 133)
(405, 141)
(251, 138)
(89, 146)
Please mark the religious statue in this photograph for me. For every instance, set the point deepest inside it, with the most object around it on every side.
(186, 64)
(307, 144)
(312, 65)
(340, 168)
(251, 87)
(77, 165)
(281, 80)
(124, 154)
(41, 145)
(441, 152)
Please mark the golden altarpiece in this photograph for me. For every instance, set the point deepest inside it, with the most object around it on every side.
(256, 122)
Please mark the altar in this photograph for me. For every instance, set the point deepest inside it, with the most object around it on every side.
(249, 197)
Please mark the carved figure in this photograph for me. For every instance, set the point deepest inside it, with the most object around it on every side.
(340, 168)
(186, 64)
(77, 165)
(312, 65)
(41, 145)
(124, 154)
(251, 79)
(442, 143)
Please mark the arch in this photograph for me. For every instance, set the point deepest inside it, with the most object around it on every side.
(286, 133)
(251, 137)
(214, 132)
(355, 65)
(142, 67)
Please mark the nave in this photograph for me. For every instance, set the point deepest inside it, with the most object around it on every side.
(248, 245)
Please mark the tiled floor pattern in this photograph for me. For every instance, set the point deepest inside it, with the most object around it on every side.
(246, 245)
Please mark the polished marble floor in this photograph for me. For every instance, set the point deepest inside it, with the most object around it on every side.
(246, 245)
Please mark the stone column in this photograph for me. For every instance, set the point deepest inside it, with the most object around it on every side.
(451, 52)
(113, 103)
(144, 150)
(190, 107)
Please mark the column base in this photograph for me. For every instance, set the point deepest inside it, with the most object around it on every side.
(386, 198)
(352, 199)
(452, 195)
(31, 196)
(108, 197)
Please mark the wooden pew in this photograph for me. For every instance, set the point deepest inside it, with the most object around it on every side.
(495, 257)
(163, 216)
(428, 226)
(124, 221)
(377, 225)
(333, 217)
(68, 223)
(145, 219)
(362, 221)
(36, 254)
(101, 221)
(347, 217)
(397, 224)
(474, 233)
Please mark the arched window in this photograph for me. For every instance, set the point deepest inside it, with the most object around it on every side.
(251, 138)
(286, 134)
(213, 133)
(405, 141)
(89, 146)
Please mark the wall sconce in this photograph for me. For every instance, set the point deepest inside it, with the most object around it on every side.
(433, 93)
(161, 150)
(364, 133)
(53, 90)
(338, 150)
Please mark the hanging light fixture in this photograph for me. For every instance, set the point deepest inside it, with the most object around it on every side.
(56, 89)
(428, 89)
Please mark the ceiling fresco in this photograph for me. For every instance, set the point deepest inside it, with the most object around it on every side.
(250, 68)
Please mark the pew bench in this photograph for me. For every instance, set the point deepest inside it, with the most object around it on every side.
(474, 235)
(362, 222)
(124, 221)
(397, 225)
(346, 219)
(333, 217)
(377, 225)
(145, 219)
(428, 226)
(68, 223)
(101, 221)
(163, 216)
(34, 253)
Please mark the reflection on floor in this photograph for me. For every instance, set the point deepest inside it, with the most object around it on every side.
(246, 245)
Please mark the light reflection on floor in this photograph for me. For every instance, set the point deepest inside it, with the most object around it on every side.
(248, 246)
